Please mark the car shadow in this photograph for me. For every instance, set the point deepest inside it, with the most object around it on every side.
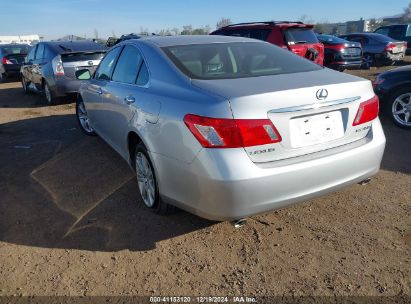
(13, 96)
(62, 189)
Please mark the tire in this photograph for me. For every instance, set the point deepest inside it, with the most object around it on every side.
(48, 94)
(368, 61)
(398, 108)
(147, 182)
(24, 85)
(3, 78)
(83, 119)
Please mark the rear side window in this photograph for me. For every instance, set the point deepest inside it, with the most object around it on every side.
(397, 32)
(128, 65)
(107, 64)
(260, 34)
(30, 56)
(383, 31)
(40, 51)
(143, 75)
(300, 35)
(236, 60)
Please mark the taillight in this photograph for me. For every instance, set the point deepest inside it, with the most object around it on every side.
(390, 46)
(231, 133)
(6, 61)
(367, 111)
(377, 82)
(57, 66)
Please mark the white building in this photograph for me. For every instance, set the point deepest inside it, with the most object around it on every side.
(29, 39)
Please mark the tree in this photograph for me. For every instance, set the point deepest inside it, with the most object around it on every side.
(95, 33)
(406, 16)
(306, 19)
(187, 30)
(223, 22)
(320, 28)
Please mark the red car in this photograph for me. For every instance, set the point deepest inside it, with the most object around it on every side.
(294, 36)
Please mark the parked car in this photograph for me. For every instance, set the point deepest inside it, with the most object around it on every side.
(228, 127)
(400, 32)
(50, 67)
(340, 54)
(294, 36)
(11, 58)
(378, 48)
(394, 89)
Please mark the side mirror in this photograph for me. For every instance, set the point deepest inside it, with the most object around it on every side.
(83, 74)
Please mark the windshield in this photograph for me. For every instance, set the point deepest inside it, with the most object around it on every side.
(331, 39)
(236, 60)
(15, 49)
(300, 35)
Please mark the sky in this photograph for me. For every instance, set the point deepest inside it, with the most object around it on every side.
(56, 18)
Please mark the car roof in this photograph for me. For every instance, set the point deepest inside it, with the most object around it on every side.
(164, 41)
(269, 24)
(74, 46)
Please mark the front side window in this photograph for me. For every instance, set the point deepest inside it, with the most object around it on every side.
(236, 60)
(128, 65)
(107, 64)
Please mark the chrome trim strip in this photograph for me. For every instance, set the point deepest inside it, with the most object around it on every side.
(315, 105)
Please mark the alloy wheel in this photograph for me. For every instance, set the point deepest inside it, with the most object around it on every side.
(401, 109)
(367, 61)
(47, 93)
(145, 179)
(83, 117)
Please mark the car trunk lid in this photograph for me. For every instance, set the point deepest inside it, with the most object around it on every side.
(312, 111)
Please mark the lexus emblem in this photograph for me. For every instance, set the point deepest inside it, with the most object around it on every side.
(321, 94)
(90, 63)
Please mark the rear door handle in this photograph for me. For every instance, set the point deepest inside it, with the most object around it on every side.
(99, 91)
(129, 100)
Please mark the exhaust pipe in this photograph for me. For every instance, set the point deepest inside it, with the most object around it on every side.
(365, 182)
(239, 223)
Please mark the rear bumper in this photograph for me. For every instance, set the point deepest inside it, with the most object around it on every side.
(345, 64)
(11, 70)
(225, 184)
(64, 86)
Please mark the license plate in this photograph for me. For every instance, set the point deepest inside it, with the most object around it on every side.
(316, 129)
(398, 49)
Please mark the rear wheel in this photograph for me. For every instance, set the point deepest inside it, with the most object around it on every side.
(2, 77)
(24, 85)
(399, 108)
(368, 61)
(48, 94)
(83, 118)
(147, 182)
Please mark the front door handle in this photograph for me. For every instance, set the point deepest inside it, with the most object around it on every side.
(99, 91)
(129, 100)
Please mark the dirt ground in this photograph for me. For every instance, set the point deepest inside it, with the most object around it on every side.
(72, 223)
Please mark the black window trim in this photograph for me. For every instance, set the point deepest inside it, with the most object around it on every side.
(143, 61)
(115, 64)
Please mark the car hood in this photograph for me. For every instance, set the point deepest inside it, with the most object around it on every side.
(233, 88)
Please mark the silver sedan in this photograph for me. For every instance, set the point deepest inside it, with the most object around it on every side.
(228, 127)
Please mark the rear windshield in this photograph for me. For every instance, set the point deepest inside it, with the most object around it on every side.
(82, 56)
(15, 49)
(300, 35)
(236, 60)
(331, 39)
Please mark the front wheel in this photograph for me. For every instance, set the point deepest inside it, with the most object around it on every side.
(24, 85)
(399, 108)
(147, 182)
